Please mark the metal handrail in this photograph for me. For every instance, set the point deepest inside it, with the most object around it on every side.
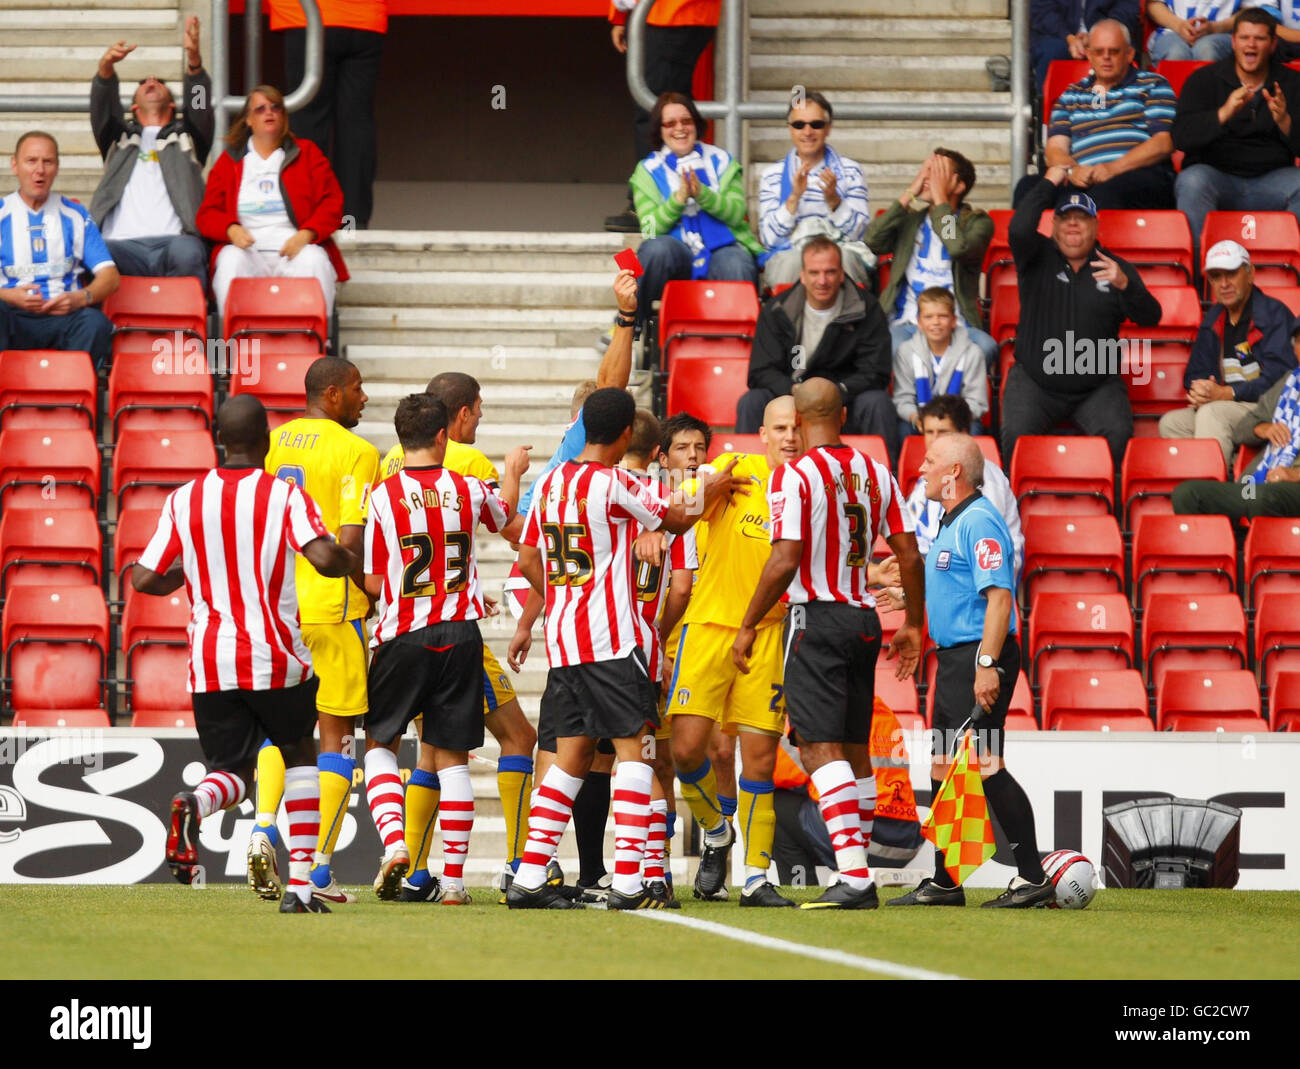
(733, 110)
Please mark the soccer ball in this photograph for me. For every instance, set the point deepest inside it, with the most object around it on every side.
(1073, 877)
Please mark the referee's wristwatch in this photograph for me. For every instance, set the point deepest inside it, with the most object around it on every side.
(985, 661)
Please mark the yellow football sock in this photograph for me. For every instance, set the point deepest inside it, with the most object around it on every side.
(758, 819)
(700, 789)
(423, 793)
(515, 785)
(335, 786)
(270, 783)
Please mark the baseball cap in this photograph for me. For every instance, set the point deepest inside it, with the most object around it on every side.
(1226, 256)
(1077, 202)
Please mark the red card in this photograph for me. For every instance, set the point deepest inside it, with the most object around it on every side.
(627, 261)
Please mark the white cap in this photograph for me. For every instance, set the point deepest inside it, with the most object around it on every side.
(1226, 256)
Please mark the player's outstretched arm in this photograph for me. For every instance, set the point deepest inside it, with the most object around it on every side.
(516, 467)
(685, 508)
(330, 558)
(906, 645)
(147, 581)
(782, 563)
(616, 365)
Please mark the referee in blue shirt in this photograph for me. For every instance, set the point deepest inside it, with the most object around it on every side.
(970, 582)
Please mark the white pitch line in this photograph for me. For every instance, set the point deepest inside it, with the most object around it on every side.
(767, 942)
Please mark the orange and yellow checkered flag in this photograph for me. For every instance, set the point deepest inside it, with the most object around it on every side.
(959, 824)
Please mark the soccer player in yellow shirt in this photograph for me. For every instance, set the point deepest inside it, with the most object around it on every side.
(320, 454)
(502, 715)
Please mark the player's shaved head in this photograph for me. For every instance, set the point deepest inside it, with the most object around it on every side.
(818, 400)
(778, 410)
(326, 372)
(242, 425)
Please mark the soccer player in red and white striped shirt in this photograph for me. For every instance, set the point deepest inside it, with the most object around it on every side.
(420, 563)
(236, 531)
(577, 551)
(827, 508)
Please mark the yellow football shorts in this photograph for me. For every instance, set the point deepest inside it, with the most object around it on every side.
(707, 683)
(338, 655)
(497, 689)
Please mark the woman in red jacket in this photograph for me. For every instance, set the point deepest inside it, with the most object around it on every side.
(271, 204)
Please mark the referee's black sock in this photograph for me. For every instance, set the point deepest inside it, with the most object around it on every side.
(941, 876)
(1011, 806)
(590, 815)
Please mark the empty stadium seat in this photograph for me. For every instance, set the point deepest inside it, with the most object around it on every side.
(49, 547)
(47, 389)
(135, 527)
(155, 306)
(61, 718)
(284, 314)
(1272, 238)
(1180, 315)
(1062, 476)
(156, 653)
(1085, 700)
(871, 444)
(48, 469)
(1072, 631)
(1161, 392)
(1272, 557)
(708, 389)
(163, 718)
(1204, 631)
(736, 443)
(1153, 467)
(999, 268)
(149, 393)
(1176, 71)
(900, 695)
(146, 466)
(1157, 243)
(713, 319)
(1183, 554)
(1277, 636)
(1284, 702)
(1020, 713)
(1201, 700)
(279, 382)
(1074, 554)
(56, 649)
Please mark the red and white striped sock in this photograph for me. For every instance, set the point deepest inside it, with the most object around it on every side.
(302, 807)
(546, 823)
(657, 837)
(867, 809)
(384, 793)
(455, 819)
(632, 780)
(219, 790)
(840, 810)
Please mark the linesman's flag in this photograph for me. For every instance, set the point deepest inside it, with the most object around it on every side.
(959, 824)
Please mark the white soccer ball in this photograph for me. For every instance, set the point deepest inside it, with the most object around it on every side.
(1073, 877)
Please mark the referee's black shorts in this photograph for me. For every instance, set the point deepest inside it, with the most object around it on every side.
(232, 724)
(954, 698)
(830, 671)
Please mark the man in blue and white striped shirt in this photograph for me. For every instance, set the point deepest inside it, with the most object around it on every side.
(46, 244)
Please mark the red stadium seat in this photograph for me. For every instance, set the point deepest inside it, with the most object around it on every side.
(999, 267)
(716, 319)
(49, 547)
(1062, 476)
(1180, 315)
(1073, 631)
(736, 443)
(1086, 700)
(1272, 238)
(1004, 317)
(152, 393)
(279, 382)
(1272, 557)
(1061, 74)
(1020, 713)
(155, 306)
(1176, 71)
(47, 389)
(1203, 631)
(135, 527)
(61, 718)
(871, 444)
(156, 652)
(913, 452)
(1284, 702)
(1277, 636)
(1288, 295)
(56, 648)
(271, 309)
(1183, 555)
(1073, 554)
(1161, 392)
(1157, 243)
(899, 694)
(1152, 468)
(147, 467)
(1205, 700)
(708, 389)
(163, 718)
(48, 469)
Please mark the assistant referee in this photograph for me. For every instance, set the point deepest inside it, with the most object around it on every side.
(969, 584)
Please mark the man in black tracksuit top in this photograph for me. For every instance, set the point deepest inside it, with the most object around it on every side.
(1073, 298)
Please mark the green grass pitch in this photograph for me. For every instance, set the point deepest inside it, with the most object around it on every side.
(167, 931)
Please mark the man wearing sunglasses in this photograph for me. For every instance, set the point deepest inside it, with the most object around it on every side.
(153, 165)
(813, 191)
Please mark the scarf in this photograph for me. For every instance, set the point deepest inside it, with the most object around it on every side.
(697, 230)
(1288, 412)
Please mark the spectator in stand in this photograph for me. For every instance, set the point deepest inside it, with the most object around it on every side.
(939, 241)
(1234, 124)
(271, 204)
(814, 190)
(941, 359)
(1111, 130)
(826, 326)
(1073, 298)
(1190, 29)
(676, 34)
(1271, 484)
(153, 166)
(1242, 348)
(340, 118)
(1058, 29)
(47, 242)
(690, 199)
